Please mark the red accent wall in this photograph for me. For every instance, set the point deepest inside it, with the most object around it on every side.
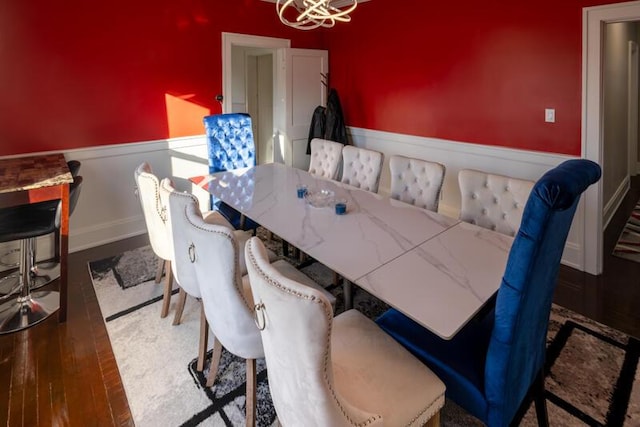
(81, 73)
(480, 72)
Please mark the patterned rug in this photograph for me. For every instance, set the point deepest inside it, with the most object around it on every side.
(628, 245)
(593, 378)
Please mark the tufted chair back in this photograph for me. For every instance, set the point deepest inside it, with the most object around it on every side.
(183, 270)
(154, 210)
(229, 141)
(213, 252)
(297, 343)
(493, 201)
(417, 182)
(230, 145)
(239, 192)
(325, 158)
(361, 168)
(495, 361)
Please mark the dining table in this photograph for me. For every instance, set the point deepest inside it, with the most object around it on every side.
(435, 269)
(36, 178)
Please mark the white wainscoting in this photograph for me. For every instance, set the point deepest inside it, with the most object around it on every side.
(459, 155)
(108, 209)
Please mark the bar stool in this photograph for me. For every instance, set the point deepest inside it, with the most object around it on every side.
(44, 272)
(26, 223)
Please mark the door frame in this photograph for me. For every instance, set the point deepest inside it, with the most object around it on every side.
(229, 40)
(632, 109)
(593, 20)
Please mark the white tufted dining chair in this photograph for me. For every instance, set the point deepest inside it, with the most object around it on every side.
(342, 371)
(361, 168)
(325, 158)
(183, 270)
(212, 251)
(155, 217)
(417, 182)
(493, 201)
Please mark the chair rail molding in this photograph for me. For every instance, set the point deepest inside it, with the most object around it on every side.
(108, 209)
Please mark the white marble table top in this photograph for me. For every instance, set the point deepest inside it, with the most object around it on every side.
(435, 269)
(374, 230)
(444, 282)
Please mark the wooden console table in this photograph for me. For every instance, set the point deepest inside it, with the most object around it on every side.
(33, 179)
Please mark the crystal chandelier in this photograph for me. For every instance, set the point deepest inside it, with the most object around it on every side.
(310, 14)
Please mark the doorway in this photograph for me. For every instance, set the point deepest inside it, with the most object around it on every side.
(282, 112)
(249, 84)
(594, 21)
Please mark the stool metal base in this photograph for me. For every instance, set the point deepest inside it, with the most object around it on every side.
(23, 312)
(43, 274)
(9, 285)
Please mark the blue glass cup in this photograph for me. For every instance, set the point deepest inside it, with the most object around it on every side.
(302, 191)
(341, 207)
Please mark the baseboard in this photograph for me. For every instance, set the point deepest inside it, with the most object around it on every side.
(613, 204)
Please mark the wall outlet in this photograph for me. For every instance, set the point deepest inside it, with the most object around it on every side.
(549, 115)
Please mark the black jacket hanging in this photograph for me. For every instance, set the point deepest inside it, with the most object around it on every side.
(328, 123)
(316, 130)
(334, 128)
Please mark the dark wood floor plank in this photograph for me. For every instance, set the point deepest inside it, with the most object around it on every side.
(66, 374)
(7, 355)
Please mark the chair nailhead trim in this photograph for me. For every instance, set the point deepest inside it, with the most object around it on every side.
(329, 314)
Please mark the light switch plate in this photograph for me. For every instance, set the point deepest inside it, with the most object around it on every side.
(549, 115)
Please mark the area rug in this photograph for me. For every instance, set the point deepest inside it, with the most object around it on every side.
(628, 244)
(593, 377)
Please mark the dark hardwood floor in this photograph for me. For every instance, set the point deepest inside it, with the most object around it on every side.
(65, 374)
(612, 298)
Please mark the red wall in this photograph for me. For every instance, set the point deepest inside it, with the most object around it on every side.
(469, 71)
(80, 73)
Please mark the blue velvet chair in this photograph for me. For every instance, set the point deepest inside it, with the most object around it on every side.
(495, 365)
(230, 146)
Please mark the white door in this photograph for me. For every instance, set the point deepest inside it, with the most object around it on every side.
(300, 89)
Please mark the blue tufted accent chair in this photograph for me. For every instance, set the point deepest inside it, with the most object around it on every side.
(494, 366)
(230, 145)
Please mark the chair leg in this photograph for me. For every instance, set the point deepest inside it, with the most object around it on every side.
(251, 393)
(204, 338)
(536, 395)
(168, 282)
(348, 295)
(159, 270)
(434, 421)
(182, 299)
(215, 361)
(336, 279)
(541, 401)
